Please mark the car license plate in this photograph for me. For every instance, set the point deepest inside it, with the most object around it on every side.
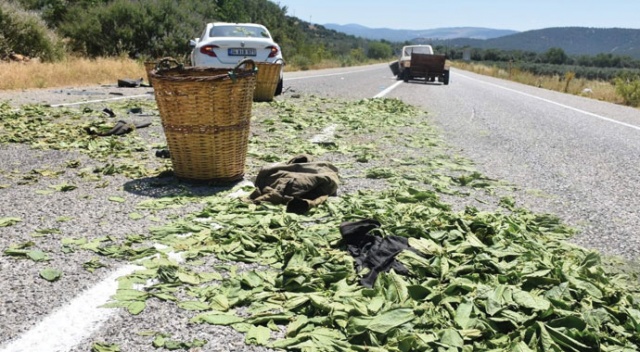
(242, 52)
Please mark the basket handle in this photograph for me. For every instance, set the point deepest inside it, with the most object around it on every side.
(236, 72)
(247, 63)
(281, 61)
(168, 63)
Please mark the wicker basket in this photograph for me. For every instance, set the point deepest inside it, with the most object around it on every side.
(267, 81)
(206, 115)
(148, 67)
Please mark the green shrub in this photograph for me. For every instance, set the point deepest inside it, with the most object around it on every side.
(26, 33)
(134, 28)
(378, 50)
(628, 87)
(301, 61)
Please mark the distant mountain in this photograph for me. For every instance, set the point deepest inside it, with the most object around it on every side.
(573, 40)
(402, 35)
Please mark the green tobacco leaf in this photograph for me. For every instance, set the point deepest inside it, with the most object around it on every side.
(425, 246)
(497, 300)
(93, 264)
(64, 187)
(104, 347)
(50, 274)
(217, 319)
(189, 278)
(258, 335)
(44, 232)
(6, 222)
(390, 319)
(521, 347)
(296, 325)
(37, 256)
(159, 340)
(117, 199)
(136, 307)
(136, 216)
(130, 295)
(451, 338)
(527, 300)
(463, 315)
(568, 342)
(193, 305)
(164, 296)
(219, 303)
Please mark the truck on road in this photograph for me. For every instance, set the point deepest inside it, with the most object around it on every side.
(420, 62)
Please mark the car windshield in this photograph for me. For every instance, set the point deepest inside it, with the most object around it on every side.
(416, 49)
(238, 31)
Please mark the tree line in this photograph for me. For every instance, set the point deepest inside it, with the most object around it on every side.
(50, 29)
(552, 62)
(149, 29)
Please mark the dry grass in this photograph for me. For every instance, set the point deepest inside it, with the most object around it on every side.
(85, 72)
(71, 72)
(599, 90)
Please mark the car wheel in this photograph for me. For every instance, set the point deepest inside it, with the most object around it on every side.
(279, 88)
(405, 75)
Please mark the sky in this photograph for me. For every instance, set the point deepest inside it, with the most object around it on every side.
(519, 15)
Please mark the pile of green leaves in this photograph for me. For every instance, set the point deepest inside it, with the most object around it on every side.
(43, 127)
(391, 139)
(481, 280)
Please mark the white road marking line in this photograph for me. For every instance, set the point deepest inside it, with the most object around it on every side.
(604, 118)
(329, 131)
(102, 100)
(389, 89)
(66, 327)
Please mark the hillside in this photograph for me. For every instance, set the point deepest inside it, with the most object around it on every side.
(402, 35)
(573, 40)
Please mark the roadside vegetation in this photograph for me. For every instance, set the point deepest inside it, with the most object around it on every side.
(141, 30)
(604, 77)
(71, 71)
(66, 38)
(595, 89)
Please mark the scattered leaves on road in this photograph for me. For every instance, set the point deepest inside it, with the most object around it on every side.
(50, 274)
(498, 279)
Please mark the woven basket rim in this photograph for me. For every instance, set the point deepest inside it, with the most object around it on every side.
(178, 72)
(206, 75)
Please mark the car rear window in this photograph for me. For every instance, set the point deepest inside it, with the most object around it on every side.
(238, 31)
(417, 50)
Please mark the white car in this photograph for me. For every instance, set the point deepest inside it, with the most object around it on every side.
(223, 45)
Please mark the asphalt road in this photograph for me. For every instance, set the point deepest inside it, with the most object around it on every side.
(570, 156)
